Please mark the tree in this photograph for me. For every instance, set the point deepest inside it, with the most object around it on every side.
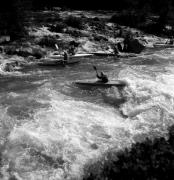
(12, 17)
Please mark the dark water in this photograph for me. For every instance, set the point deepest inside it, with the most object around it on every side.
(49, 128)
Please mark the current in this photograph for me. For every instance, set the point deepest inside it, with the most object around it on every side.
(50, 128)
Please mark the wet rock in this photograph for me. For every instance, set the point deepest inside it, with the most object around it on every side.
(96, 19)
(38, 53)
(94, 146)
(133, 46)
(8, 67)
(13, 178)
(99, 37)
(24, 52)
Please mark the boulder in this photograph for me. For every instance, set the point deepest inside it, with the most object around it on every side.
(8, 67)
(133, 46)
(4, 39)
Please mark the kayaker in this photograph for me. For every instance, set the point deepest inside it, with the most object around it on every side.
(65, 57)
(171, 40)
(72, 50)
(102, 77)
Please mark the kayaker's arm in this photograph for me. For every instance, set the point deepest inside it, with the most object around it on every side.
(98, 76)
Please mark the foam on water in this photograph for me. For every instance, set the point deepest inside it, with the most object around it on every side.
(150, 99)
(63, 137)
(50, 131)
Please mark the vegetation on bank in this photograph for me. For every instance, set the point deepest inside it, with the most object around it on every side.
(151, 159)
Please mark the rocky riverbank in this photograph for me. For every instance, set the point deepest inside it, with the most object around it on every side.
(86, 31)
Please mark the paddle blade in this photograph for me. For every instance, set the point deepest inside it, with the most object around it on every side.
(94, 67)
(56, 46)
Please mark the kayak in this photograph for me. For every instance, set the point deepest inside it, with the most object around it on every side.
(57, 63)
(103, 53)
(91, 83)
(126, 55)
(164, 45)
(76, 56)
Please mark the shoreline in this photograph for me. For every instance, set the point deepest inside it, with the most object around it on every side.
(90, 32)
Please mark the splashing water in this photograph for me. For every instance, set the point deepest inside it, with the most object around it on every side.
(49, 128)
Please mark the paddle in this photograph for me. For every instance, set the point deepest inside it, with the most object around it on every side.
(95, 69)
(56, 46)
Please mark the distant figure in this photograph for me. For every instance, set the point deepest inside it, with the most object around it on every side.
(102, 78)
(126, 42)
(171, 41)
(65, 57)
(71, 50)
(119, 46)
(116, 50)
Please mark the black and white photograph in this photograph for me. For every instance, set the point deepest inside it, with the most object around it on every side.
(87, 90)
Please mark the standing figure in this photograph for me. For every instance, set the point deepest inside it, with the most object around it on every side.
(65, 57)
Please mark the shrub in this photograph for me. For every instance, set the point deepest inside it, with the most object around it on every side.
(74, 22)
(151, 159)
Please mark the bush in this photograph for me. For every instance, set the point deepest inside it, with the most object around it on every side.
(48, 41)
(152, 159)
(74, 22)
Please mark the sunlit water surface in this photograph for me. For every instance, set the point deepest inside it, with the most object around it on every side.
(50, 128)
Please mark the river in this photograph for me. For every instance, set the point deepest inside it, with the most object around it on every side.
(50, 128)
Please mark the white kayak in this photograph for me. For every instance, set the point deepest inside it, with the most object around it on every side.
(102, 53)
(57, 63)
(163, 45)
(92, 83)
(58, 56)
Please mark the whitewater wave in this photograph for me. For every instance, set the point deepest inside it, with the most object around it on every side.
(53, 128)
(150, 100)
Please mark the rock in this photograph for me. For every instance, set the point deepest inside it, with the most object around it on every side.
(94, 146)
(24, 52)
(8, 67)
(133, 46)
(4, 39)
(38, 53)
(99, 37)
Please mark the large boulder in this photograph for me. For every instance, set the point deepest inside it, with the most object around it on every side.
(133, 46)
(36, 51)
